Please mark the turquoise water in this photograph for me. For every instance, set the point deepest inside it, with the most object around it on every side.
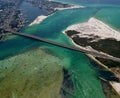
(52, 25)
(77, 64)
(84, 77)
(110, 16)
(79, 2)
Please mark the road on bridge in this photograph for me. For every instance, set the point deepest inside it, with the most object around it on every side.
(80, 49)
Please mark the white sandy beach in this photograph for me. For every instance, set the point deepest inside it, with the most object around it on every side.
(38, 20)
(72, 7)
(94, 27)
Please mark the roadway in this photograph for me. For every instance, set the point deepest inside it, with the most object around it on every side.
(80, 49)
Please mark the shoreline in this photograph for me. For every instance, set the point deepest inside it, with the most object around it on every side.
(72, 7)
(41, 18)
(95, 53)
(38, 20)
(113, 84)
(95, 27)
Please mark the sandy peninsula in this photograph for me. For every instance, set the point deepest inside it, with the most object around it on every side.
(94, 27)
(38, 20)
(71, 7)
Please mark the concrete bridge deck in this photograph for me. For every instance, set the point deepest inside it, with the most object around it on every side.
(80, 49)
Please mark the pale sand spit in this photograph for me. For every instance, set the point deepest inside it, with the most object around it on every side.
(94, 27)
(71, 7)
(38, 20)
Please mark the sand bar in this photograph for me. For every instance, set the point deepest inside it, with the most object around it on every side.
(38, 20)
(71, 7)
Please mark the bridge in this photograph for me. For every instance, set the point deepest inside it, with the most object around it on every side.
(79, 49)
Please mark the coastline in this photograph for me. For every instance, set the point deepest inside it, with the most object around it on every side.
(72, 7)
(97, 28)
(115, 85)
(95, 53)
(41, 18)
(48, 55)
(38, 20)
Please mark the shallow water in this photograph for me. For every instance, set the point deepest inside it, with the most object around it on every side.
(84, 77)
(77, 63)
(79, 2)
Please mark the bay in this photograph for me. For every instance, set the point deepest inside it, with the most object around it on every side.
(83, 75)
